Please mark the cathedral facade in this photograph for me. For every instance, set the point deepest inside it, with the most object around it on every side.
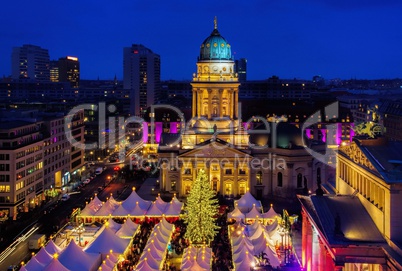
(237, 156)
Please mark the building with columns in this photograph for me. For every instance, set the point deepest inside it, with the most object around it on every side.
(360, 227)
(270, 160)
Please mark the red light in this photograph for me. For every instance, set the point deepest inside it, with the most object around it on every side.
(135, 51)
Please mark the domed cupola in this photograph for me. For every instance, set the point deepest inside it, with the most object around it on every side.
(215, 47)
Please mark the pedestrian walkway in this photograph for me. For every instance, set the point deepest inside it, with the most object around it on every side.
(148, 190)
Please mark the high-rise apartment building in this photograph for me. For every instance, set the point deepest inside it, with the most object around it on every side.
(30, 62)
(69, 70)
(66, 69)
(141, 76)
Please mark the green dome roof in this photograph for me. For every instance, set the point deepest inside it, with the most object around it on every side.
(215, 47)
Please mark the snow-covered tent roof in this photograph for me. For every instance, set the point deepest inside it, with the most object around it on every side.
(131, 202)
(34, 265)
(173, 209)
(43, 256)
(52, 248)
(107, 241)
(271, 214)
(244, 264)
(23, 268)
(246, 203)
(197, 267)
(236, 214)
(128, 229)
(55, 264)
(92, 207)
(254, 213)
(74, 258)
(162, 205)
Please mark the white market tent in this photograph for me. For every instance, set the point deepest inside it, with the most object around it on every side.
(55, 264)
(43, 256)
(236, 214)
(128, 229)
(246, 203)
(74, 258)
(52, 248)
(134, 206)
(254, 214)
(196, 258)
(107, 241)
(34, 265)
(271, 216)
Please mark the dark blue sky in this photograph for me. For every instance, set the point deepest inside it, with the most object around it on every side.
(287, 38)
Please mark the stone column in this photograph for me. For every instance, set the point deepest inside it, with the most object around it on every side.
(199, 102)
(236, 98)
(194, 105)
(309, 248)
(220, 103)
(235, 179)
(209, 103)
(305, 225)
(230, 106)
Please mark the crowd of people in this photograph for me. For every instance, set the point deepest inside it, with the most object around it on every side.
(221, 247)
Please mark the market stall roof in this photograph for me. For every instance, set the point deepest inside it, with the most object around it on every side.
(52, 248)
(107, 241)
(246, 203)
(74, 258)
(236, 214)
(55, 264)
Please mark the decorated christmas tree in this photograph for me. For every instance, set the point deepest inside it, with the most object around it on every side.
(201, 209)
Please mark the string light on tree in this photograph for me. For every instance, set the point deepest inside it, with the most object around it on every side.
(201, 209)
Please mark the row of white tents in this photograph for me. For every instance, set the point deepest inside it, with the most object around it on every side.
(133, 206)
(155, 250)
(112, 241)
(196, 259)
(250, 240)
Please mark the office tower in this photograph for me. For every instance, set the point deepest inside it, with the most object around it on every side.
(69, 70)
(30, 62)
(54, 71)
(141, 76)
(241, 69)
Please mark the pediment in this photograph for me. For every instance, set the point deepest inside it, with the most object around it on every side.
(354, 153)
(216, 150)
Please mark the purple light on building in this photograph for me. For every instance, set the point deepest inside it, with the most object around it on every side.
(308, 133)
(145, 132)
(173, 127)
(324, 135)
(352, 132)
(158, 131)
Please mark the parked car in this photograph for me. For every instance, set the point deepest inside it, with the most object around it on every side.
(65, 197)
(87, 181)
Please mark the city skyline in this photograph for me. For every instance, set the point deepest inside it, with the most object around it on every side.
(335, 39)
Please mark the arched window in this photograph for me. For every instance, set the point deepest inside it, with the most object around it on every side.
(259, 178)
(280, 178)
(299, 180)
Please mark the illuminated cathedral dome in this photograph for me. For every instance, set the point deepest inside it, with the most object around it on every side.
(215, 47)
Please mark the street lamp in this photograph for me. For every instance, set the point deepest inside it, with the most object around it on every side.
(79, 230)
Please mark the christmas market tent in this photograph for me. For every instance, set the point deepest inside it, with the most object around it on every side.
(236, 214)
(243, 265)
(23, 268)
(246, 203)
(271, 215)
(74, 258)
(106, 241)
(128, 229)
(52, 248)
(173, 209)
(241, 243)
(162, 205)
(197, 267)
(43, 256)
(154, 210)
(108, 207)
(56, 265)
(34, 265)
(120, 211)
(254, 213)
(113, 225)
(92, 207)
(145, 266)
(132, 200)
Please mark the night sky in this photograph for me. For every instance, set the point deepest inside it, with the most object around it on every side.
(332, 38)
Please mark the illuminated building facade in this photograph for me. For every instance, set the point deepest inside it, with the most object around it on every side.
(359, 228)
(69, 71)
(30, 62)
(141, 76)
(235, 158)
